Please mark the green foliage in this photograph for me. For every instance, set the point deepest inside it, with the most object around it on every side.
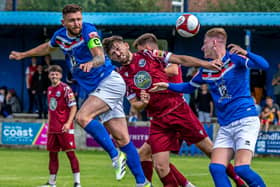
(244, 6)
(91, 5)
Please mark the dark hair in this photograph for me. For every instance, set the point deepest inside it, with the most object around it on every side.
(108, 42)
(144, 39)
(71, 8)
(55, 68)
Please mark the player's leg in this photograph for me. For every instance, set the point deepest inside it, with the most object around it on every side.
(75, 167)
(245, 140)
(161, 165)
(85, 117)
(118, 129)
(145, 154)
(219, 160)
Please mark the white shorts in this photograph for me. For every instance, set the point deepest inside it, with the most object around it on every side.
(111, 90)
(240, 134)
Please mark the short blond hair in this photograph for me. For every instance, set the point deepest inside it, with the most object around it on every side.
(218, 32)
(144, 39)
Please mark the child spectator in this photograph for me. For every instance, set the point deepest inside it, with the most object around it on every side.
(267, 118)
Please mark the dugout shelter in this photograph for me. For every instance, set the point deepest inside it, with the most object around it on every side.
(21, 30)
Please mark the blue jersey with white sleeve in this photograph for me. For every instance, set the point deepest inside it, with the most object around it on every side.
(76, 52)
(230, 88)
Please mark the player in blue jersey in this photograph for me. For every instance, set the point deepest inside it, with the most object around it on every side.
(237, 115)
(94, 72)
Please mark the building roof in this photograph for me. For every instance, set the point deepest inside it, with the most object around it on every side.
(29, 18)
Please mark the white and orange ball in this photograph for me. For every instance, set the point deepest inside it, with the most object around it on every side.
(187, 25)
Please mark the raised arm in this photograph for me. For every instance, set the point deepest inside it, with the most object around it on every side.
(40, 50)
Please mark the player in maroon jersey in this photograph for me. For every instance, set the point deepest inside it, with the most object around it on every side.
(169, 114)
(62, 110)
(148, 41)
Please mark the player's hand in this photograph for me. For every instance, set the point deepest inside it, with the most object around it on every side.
(14, 55)
(159, 86)
(66, 127)
(144, 97)
(233, 48)
(216, 64)
(86, 67)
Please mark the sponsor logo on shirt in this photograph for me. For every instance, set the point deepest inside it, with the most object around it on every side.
(52, 104)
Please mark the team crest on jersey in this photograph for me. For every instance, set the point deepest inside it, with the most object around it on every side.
(93, 34)
(142, 62)
(126, 74)
(142, 80)
(52, 104)
(58, 94)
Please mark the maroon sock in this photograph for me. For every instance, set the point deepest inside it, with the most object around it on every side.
(231, 173)
(73, 161)
(53, 163)
(169, 180)
(182, 180)
(147, 167)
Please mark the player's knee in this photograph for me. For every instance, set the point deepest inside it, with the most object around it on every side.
(161, 168)
(81, 119)
(217, 169)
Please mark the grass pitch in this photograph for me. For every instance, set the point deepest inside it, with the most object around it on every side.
(29, 168)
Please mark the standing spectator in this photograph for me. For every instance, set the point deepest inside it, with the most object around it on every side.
(276, 85)
(257, 83)
(13, 101)
(204, 104)
(274, 108)
(30, 70)
(62, 110)
(39, 88)
(267, 118)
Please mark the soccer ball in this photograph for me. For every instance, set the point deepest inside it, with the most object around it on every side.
(187, 25)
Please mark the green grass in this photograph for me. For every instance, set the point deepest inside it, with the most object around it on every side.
(29, 168)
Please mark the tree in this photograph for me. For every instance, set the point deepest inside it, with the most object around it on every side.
(243, 6)
(91, 5)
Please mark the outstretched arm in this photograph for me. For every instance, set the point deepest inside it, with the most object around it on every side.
(255, 61)
(185, 87)
(40, 50)
(195, 62)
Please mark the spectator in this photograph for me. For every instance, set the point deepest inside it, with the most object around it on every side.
(267, 118)
(274, 108)
(5, 110)
(276, 85)
(133, 115)
(47, 63)
(257, 82)
(204, 104)
(30, 70)
(258, 107)
(13, 101)
(39, 88)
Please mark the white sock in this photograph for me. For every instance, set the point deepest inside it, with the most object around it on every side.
(77, 177)
(52, 179)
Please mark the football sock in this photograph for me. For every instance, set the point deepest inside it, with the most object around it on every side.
(169, 180)
(148, 169)
(77, 178)
(100, 134)
(218, 172)
(133, 162)
(73, 161)
(231, 173)
(182, 180)
(53, 163)
(249, 176)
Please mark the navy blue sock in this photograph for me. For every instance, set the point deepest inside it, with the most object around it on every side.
(249, 176)
(133, 162)
(219, 175)
(100, 134)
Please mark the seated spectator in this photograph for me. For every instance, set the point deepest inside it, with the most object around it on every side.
(13, 101)
(5, 109)
(267, 118)
(133, 115)
(258, 107)
(274, 108)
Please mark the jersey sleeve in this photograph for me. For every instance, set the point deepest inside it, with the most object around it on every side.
(161, 55)
(250, 61)
(52, 42)
(69, 97)
(89, 32)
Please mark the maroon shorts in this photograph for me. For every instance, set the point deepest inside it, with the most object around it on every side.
(167, 133)
(60, 142)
